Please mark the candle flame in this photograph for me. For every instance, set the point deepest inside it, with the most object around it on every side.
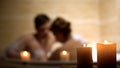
(25, 53)
(64, 52)
(84, 45)
(105, 42)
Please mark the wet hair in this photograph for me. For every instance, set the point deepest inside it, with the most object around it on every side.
(62, 26)
(40, 20)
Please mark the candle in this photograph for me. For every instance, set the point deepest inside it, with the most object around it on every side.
(106, 53)
(25, 55)
(84, 57)
(64, 55)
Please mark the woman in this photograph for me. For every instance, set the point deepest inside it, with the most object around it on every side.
(62, 31)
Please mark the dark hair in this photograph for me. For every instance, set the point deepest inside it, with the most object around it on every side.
(40, 20)
(62, 26)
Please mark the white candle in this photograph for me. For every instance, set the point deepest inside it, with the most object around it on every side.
(64, 55)
(25, 55)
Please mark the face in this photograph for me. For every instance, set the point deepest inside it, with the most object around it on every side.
(44, 29)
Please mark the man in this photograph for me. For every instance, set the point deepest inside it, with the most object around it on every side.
(39, 44)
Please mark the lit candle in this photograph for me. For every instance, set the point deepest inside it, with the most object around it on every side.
(84, 57)
(106, 53)
(64, 55)
(25, 55)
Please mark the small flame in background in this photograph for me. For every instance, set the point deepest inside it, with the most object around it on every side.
(25, 53)
(64, 52)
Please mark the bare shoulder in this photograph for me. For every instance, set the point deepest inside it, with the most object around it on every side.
(28, 37)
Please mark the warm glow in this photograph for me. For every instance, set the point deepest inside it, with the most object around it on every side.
(105, 42)
(64, 52)
(84, 45)
(64, 55)
(94, 52)
(25, 55)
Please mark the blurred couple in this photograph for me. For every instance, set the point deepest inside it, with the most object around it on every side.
(47, 42)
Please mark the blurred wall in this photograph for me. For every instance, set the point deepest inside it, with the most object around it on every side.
(15, 20)
(110, 20)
